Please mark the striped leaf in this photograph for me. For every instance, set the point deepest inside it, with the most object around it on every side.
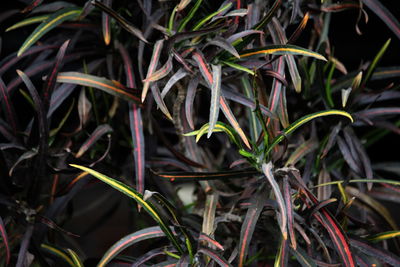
(50, 23)
(374, 63)
(222, 9)
(304, 120)
(75, 258)
(385, 15)
(249, 225)
(132, 193)
(219, 127)
(180, 74)
(31, 6)
(267, 170)
(96, 135)
(8, 107)
(189, 100)
(201, 176)
(27, 22)
(281, 50)
(383, 236)
(51, 78)
(380, 254)
(123, 22)
(60, 253)
(159, 101)
(210, 241)
(105, 22)
(129, 240)
(152, 66)
(108, 86)
(4, 240)
(160, 73)
(215, 257)
(303, 258)
(215, 95)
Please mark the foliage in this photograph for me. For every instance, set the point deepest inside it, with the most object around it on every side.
(127, 89)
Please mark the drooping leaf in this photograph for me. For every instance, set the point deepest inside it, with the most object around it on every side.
(180, 74)
(50, 23)
(130, 240)
(96, 135)
(132, 193)
(221, 42)
(281, 50)
(159, 101)
(122, 21)
(108, 86)
(215, 95)
(267, 170)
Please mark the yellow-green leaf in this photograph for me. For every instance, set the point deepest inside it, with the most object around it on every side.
(50, 23)
(28, 21)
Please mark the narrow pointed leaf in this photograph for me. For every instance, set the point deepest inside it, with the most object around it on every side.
(215, 256)
(75, 258)
(303, 258)
(152, 66)
(180, 74)
(122, 21)
(25, 241)
(160, 102)
(8, 107)
(105, 22)
(232, 120)
(224, 8)
(204, 68)
(59, 253)
(383, 256)
(189, 100)
(132, 193)
(4, 240)
(267, 170)
(129, 240)
(385, 15)
(50, 23)
(211, 241)
(374, 63)
(221, 42)
(51, 79)
(28, 21)
(249, 225)
(383, 236)
(108, 86)
(304, 120)
(160, 73)
(96, 135)
(215, 95)
(200, 176)
(301, 151)
(281, 50)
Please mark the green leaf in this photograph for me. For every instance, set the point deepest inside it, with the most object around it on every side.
(374, 63)
(50, 23)
(58, 252)
(132, 193)
(304, 120)
(281, 50)
(28, 21)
